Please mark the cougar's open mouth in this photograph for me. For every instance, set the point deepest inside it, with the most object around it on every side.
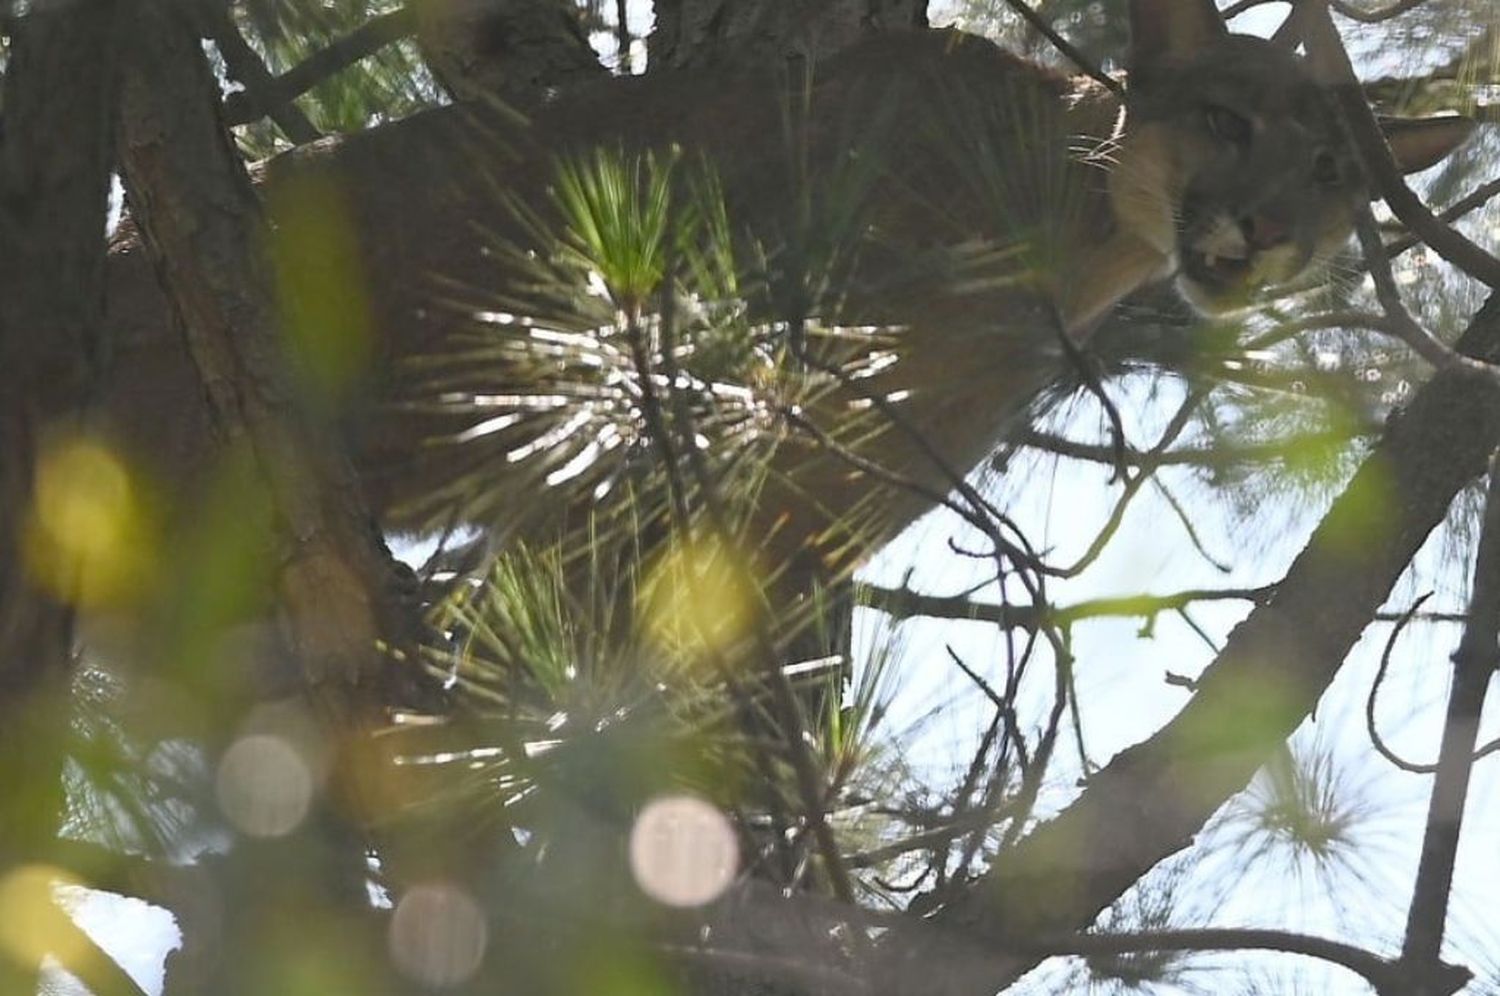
(1215, 273)
(1214, 284)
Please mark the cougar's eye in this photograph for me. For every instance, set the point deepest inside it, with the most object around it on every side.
(1326, 169)
(1227, 125)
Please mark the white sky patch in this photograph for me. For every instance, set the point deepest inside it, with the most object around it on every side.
(137, 935)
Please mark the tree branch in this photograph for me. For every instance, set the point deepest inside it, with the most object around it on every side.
(1328, 54)
(249, 71)
(268, 94)
(1380, 972)
(904, 603)
(1149, 801)
(1378, 15)
(1473, 664)
(1371, 726)
(1472, 201)
(1067, 48)
(1402, 324)
(1224, 455)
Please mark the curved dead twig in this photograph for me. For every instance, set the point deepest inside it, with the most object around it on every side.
(1376, 740)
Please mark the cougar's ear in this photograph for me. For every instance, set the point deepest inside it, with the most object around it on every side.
(1171, 29)
(1418, 143)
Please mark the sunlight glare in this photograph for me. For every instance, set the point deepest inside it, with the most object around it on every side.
(683, 851)
(265, 786)
(438, 935)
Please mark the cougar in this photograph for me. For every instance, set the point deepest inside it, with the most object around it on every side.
(1224, 169)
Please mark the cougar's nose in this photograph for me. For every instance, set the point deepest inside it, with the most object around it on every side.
(1262, 232)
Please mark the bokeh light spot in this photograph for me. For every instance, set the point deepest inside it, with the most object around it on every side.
(683, 851)
(700, 596)
(87, 536)
(264, 786)
(438, 935)
(32, 925)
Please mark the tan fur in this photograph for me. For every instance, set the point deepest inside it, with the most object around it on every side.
(1067, 204)
(1174, 190)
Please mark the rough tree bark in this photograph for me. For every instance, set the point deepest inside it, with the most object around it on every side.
(201, 220)
(335, 585)
(54, 185)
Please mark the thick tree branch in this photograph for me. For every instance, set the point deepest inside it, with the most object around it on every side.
(264, 97)
(246, 67)
(202, 221)
(318, 555)
(1151, 799)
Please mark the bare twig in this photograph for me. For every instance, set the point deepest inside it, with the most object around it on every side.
(1380, 972)
(622, 35)
(1472, 201)
(1064, 46)
(1200, 632)
(995, 697)
(1240, 6)
(1090, 374)
(904, 603)
(1174, 429)
(1224, 455)
(1402, 324)
(1376, 739)
(1223, 567)
(1329, 56)
(940, 836)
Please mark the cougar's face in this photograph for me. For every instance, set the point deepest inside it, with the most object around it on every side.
(1235, 168)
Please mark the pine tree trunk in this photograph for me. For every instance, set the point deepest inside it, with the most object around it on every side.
(332, 580)
(54, 183)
